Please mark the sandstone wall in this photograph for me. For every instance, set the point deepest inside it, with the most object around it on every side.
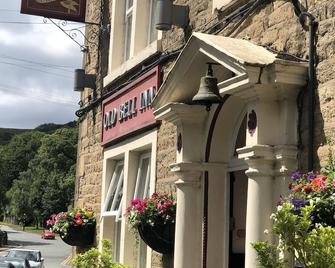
(90, 152)
(274, 25)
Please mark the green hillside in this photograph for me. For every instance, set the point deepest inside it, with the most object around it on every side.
(7, 133)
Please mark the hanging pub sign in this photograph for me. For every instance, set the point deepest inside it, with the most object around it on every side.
(70, 10)
(129, 110)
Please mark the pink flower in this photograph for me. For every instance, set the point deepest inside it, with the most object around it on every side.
(79, 221)
(78, 215)
(135, 201)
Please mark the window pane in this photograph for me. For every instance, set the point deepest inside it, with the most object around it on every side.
(141, 254)
(143, 177)
(114, 194)
(128, 30)
(152, 32)
(129, 4)
(117, 241)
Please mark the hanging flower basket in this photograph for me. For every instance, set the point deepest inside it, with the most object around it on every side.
(159, 237)
(154, 219)
(76, 227)
(80, 236)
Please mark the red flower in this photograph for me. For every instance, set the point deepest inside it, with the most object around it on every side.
(319, 182)
(78, 215)
(308, 188)
(79, 221)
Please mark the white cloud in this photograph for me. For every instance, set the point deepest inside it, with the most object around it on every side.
(33, 94)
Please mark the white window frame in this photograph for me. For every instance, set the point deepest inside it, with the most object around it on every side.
(133, 152)
(147, 177)
(117, 185)
(140, 47)
(151, 21)
(127, 27)
(142, 247)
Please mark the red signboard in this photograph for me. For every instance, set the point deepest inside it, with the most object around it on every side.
(129, 110)
(72, 10)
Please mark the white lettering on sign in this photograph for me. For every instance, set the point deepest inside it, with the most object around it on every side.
(128, 109)
(110, 118)
(146, 97)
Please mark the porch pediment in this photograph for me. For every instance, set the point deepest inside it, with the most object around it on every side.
(240, 65)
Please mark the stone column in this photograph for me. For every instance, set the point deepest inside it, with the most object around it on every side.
(191, 131)
(187, 251)
(260, 198)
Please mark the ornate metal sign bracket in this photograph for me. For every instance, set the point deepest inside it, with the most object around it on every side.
(73, 33)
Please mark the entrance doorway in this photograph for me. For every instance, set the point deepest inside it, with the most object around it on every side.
(237, 224)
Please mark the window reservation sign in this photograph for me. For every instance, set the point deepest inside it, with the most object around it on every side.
(72, 10)
(129, 110)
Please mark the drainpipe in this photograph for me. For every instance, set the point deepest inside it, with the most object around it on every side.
(312, 28)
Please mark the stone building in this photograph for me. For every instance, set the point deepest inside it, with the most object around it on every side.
(227, 167)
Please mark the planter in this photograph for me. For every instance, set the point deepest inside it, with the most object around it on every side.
(80, 236)
(160, 237)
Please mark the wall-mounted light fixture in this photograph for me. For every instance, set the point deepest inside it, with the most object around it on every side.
(169, 14)
(82, 80)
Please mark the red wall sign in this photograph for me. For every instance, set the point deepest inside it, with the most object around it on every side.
(129, 109)
(72, 10)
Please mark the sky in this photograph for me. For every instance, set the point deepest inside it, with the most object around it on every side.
(37, 62)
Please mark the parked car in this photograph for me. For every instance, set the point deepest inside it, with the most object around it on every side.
(3, 238)
(32, 255)
(6, 265)
(47, 234)
(16, 262)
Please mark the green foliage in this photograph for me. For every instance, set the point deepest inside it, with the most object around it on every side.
(267, 255)
(312, 247)
(51, 127)
(38, 172)
(7, 133)
(95, 259)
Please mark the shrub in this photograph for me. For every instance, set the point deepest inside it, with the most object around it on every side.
(93, 258)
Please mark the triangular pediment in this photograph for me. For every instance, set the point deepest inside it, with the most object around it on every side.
(238, 62)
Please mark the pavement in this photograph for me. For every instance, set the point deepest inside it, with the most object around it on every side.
(11, 244)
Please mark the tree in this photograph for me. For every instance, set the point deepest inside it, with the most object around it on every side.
(15, 158)
(48, 180)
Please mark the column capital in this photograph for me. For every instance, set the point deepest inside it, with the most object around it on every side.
(286, 159)
(177, 113)
(191, 128)
(197, 166)
(260, 159)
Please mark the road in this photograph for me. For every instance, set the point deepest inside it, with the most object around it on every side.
(54, 252)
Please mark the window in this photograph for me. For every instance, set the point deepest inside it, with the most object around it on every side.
(128, 173)
(113, 201)
(133, 35)
(142, 191)
(143, 177)
(152, 32)
(128, 27)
